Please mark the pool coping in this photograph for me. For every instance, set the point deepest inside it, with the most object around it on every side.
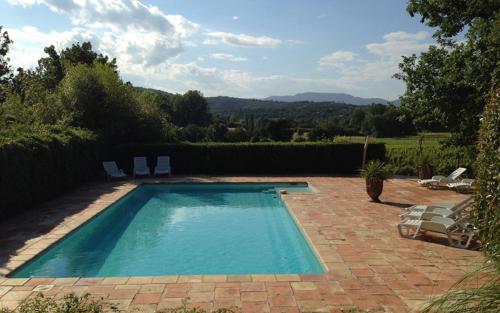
(6, 272)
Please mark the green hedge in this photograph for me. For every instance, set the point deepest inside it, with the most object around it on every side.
(445, 159)
(487, 204)
(39, 164)
(252, 158)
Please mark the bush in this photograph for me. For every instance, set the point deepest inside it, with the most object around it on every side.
(252, 158)
(69, 304)
(38, 164)
(444, 159)
(487, 204)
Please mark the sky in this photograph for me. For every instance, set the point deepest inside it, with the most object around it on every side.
(241, 48)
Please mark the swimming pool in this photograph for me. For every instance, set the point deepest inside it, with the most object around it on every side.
(182, 229)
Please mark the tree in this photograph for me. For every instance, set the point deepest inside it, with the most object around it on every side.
(193, 133)
(216, 132)
(279, 130)
(51, 69)
(5, 71)
(190, 108)
(450, 83)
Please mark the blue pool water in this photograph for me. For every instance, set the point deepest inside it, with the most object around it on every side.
(166, 229)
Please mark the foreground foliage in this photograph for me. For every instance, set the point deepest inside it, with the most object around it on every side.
(478, 291)
(69, 304)
(487, 208)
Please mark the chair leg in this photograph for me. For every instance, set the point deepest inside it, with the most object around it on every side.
(458, 243)
(407, 233)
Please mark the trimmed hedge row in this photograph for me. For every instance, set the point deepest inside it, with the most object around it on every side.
(38, 165)
(251, 158)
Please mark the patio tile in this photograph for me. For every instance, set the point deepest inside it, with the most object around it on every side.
(15, 281)
(64, 281)
(227, 292)
(114, 280)
(253, 296)
(214, 278)
(147, 298)
(152, 288)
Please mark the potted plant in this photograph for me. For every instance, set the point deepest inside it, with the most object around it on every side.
(423, 163)
(375, 172)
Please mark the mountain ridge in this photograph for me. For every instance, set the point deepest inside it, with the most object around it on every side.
(329, 97)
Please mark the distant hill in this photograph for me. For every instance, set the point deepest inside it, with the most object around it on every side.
(304, 113)
(160, 92)
(329, 97)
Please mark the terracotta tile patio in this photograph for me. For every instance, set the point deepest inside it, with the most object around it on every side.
(369, 265)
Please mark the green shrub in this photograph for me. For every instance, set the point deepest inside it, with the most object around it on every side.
(70, 304)
(252, 158)
(445, 159)
(487, 204)
(40, 163)
(375, 169)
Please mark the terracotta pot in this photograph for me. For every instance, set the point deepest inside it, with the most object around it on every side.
(374, 187)
(424, 172)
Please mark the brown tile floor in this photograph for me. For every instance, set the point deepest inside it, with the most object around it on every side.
(369, 265)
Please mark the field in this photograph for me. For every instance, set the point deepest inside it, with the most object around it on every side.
(431, 140)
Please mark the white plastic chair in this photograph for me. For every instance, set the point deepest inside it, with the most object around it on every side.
(439, 180)
(112, 170)
(163, 166)
(141, 167)
(460, 233)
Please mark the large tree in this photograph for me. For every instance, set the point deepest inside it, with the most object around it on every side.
(450, 83)
(5, 71)
(51, 69)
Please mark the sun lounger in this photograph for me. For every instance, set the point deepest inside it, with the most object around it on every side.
(454, 212)
(162, 166)
(112, 170)
(464, 185)
(141, 167)
(442, 180)
(460, 233)
(451, 206)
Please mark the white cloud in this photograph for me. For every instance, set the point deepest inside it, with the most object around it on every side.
(397, 44)
(138, 35)
(382, 61)
(214, 81)
(322, 16)
(242, 40)
(119, 15)
(336, 59)
(227, 57)
(235, 18)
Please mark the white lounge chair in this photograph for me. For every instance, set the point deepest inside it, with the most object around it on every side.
(450, 206)
(460, 233)
(141, 167)
(112, 170)
(427, 214)
(464, 185)
(163, 166)
(439, 180)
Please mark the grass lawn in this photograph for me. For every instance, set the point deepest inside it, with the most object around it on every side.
(430, 140)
